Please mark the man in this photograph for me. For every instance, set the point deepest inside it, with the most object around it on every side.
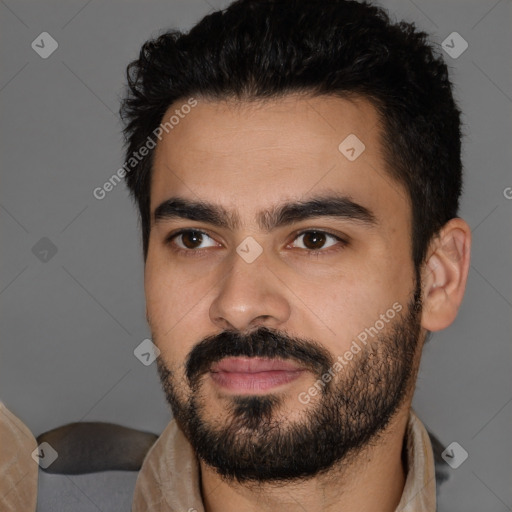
(297, 169)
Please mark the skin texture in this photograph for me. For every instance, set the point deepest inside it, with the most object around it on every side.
(248, 157)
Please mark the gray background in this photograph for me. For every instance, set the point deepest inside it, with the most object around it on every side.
(70, 324)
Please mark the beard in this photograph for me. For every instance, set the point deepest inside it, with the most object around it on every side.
(255, 442)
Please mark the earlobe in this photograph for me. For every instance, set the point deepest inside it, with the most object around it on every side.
(444, 275)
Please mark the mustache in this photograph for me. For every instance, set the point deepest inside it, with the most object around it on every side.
(263, 342)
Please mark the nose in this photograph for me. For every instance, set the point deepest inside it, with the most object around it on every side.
(250, 295)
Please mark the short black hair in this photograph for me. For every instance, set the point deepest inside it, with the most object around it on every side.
(257, 50)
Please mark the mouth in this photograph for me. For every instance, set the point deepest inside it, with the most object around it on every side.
(253, 375)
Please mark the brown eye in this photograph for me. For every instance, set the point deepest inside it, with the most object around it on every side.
(191, 239)
(315, 240)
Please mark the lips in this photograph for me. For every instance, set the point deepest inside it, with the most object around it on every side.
(253, 374)
(253, 365)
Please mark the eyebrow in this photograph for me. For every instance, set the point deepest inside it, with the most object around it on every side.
(340, 207)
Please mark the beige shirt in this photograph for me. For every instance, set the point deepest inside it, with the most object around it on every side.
(18, 470)
(169, 480)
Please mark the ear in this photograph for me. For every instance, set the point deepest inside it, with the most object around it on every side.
(444, 275)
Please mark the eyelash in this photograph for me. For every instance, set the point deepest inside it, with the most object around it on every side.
(310, 252)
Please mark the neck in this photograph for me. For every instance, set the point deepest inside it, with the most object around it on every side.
(374, 479)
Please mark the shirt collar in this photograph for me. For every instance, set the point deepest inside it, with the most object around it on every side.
(419, 494)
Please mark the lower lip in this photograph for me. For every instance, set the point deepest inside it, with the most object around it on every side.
(255, 382)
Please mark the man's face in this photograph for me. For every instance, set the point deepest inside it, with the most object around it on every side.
(288, 337)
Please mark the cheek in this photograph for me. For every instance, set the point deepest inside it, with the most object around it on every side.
(168, 294)
(172, 308)
(357, 300)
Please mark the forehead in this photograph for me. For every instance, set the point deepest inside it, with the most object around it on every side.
(246, 155)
